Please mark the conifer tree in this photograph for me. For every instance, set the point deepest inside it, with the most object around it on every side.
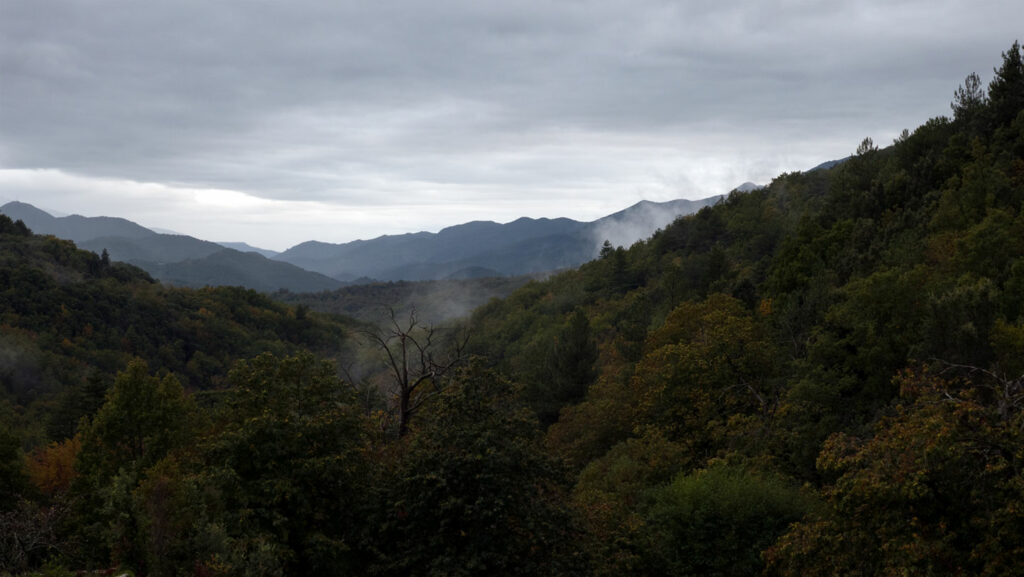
(1006, 91)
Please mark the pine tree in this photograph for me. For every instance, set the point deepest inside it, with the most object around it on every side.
(1006, 91)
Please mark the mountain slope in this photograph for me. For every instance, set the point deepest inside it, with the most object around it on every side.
(173, 258)
(857, 328)
(522, 246)
(72, 320)
(228, 267)
(75, 227)
(246, 247)
(639, 221)
(158, 248)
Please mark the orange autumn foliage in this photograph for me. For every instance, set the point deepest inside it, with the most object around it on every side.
(52, 468)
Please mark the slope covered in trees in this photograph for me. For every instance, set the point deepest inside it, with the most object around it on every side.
(71, 320)
(172, 258)
(819, 377)
(809, 330)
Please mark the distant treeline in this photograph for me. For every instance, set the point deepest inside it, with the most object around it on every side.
(437, 301)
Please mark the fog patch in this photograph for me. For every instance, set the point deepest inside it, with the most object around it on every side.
(22, 372)
(642, 220)
(640, 224)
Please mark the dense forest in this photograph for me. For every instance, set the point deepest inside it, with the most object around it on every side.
(435, 301)
(824, 376)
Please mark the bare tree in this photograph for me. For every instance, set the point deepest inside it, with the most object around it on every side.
(417, 358)
(1005, 392)
(30, 534)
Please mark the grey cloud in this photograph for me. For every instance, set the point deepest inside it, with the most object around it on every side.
(348, 100)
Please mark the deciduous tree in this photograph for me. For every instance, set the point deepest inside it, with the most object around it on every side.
(416, 362)
(473, 494)
(289, 462)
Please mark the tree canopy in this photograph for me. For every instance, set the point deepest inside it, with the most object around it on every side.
(821, 376)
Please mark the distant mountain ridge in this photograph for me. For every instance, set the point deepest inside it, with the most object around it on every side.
(75, 227)
(159, 248)
(504, 248)
(175, 259)
(471, 250)
(523, 246)
(641, 220)
(246, 247)
(229, 267)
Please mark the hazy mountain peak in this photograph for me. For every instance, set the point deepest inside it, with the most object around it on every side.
(36, 219)
(640, 220)
(523, 246)
(246, 247)
(75, 227)
(16, 209)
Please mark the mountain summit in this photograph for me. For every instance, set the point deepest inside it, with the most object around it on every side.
(523, 246)
(473, 249)
(75, 227)
(172, 258)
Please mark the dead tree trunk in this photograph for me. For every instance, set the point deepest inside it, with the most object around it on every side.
(414, 363)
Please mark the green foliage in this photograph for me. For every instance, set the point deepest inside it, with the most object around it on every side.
(615, 493)
(435, 301)
(838, 278)
(566, 369)
(473, 494)
(288, 462)
(686, 381)
(574, 355)
(68, 323)
(75, 403)
(716, 521)
(176, 519)
(708, 364)
(143, 419)
(13, 227)
(1006, 91)
(934, 491)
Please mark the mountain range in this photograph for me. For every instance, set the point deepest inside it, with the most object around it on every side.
(483, 248)
(471, 250)
(176, 259)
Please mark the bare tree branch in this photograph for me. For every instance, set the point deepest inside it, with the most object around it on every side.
(410, 350)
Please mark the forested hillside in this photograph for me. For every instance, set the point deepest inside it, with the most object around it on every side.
(434, 301)
(171, 258)
(71, 320)
(842, 349)
(819, 377)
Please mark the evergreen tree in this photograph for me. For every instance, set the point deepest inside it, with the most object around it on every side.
(1006, 91)
(575, 353)
(969, 102)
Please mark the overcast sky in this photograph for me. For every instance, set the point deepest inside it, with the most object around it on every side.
(275, 122)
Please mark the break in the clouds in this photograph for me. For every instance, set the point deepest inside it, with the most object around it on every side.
(277, 122)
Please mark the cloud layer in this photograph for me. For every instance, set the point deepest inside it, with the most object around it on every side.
(374, 117)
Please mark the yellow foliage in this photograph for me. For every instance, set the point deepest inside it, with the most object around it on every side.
(52, 468)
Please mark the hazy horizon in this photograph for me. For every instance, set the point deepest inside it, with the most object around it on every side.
(640, 225)
(274, 124)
